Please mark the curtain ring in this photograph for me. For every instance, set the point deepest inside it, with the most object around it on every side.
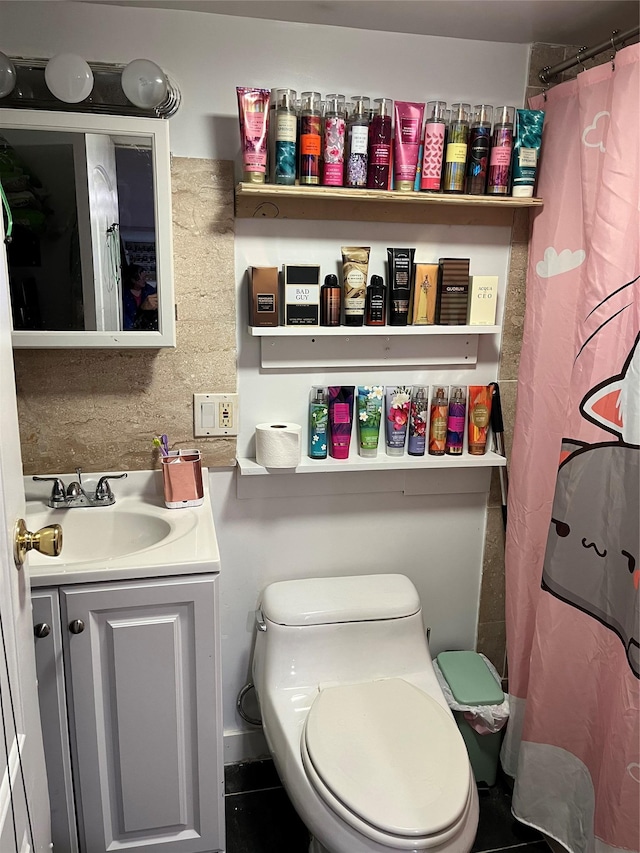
(614, 33)
(578, 59)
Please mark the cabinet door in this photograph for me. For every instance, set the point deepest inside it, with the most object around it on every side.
(53, 713)
(144, 676)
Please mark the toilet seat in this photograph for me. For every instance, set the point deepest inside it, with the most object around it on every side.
(413, 787)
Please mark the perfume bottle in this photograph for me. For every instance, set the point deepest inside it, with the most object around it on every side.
(380, 145)
(357, 142)
(479, 145)
(310, 138)
(286, 137)
(456, 421)
(433, 148)
(457, 146)
(501, 148)
(330, 301)
(333, 145)
(438, 422)
(376, 302)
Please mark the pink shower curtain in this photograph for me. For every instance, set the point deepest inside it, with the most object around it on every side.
(572, 552)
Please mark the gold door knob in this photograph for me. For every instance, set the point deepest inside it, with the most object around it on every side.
(47, 540)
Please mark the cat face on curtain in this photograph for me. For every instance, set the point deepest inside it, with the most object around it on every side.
(592, 560)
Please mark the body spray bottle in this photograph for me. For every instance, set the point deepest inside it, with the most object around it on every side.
(438, 422)
(286, 136)
(357, 142)
(318, 424)
(456, 421)
(418, 418)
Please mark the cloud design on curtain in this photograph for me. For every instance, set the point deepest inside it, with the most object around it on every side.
(594, 131)
(556, 264)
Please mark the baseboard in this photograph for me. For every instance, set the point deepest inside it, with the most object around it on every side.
(244, 746)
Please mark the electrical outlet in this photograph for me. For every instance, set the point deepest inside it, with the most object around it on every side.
(215, 414)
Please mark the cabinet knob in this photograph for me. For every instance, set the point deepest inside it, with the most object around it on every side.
(77, 626)
(41, 630)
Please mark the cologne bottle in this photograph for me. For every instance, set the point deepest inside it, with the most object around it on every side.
(330, 301)
(376, 302)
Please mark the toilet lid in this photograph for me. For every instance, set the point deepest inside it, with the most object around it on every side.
(391, 754)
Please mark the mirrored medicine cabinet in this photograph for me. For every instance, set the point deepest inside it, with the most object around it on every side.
(90, 258)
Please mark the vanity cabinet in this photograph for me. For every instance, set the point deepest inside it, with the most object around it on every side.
(130, 696)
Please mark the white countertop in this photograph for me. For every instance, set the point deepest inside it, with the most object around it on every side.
(137, 537)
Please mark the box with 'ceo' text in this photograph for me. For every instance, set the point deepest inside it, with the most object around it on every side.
(483, 299)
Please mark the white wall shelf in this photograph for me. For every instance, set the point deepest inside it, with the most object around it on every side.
(367, 331)
(322, 347)
(381, 462)
(273, 201)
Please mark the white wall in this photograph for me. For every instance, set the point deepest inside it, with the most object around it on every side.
(313, 524)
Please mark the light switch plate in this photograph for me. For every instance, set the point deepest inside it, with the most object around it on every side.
(215, 414)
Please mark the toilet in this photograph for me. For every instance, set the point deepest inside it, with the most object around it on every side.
(357, 725)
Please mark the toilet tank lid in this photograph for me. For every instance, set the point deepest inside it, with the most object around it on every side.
(325, 601)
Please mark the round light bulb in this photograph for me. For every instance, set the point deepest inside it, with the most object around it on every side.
(144, 83)
(69, 78)
(8, 76)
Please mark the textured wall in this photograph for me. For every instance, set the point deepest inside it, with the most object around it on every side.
(99, 409)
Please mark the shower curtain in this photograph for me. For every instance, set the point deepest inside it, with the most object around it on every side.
(572, 551)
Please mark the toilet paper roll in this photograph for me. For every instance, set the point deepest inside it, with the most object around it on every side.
(278, 445)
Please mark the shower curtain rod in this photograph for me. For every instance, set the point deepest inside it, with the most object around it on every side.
(548, 72)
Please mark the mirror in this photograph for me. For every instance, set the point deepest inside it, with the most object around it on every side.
(90, 261)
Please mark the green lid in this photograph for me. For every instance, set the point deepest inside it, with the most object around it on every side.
(469, 678)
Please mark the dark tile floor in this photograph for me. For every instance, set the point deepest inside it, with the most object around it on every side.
(260, 818)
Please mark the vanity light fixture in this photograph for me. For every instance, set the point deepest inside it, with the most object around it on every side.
(70, 83)
(7, 76)
(69, 78)
(145, 83)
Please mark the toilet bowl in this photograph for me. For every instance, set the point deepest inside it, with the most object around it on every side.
(357, 725)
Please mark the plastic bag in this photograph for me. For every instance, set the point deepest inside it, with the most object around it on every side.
(484, 719)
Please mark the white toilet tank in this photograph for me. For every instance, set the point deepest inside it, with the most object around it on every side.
(321, 631)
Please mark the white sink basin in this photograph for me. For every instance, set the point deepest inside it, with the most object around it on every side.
(135, 537)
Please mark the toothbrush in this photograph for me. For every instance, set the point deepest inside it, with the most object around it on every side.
(159, 443)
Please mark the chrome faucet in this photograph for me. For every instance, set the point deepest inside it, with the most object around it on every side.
(74, 495)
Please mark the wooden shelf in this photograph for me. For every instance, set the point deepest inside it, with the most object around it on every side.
(366, 331)
(381, 462)
(274, 201)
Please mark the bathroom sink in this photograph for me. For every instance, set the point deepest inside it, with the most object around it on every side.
(136, 537)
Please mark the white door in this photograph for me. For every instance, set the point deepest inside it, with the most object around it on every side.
(105, 239)
(24, 801)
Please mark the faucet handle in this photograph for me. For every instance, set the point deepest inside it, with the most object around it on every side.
(57, 490)
(103, 489)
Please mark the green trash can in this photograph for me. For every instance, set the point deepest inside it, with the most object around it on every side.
(472, 683)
